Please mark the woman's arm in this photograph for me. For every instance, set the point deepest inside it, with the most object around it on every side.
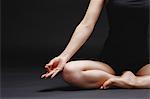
(79, 37)
(84, 29)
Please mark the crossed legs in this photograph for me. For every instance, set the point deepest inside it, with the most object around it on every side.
(95, 74)
(87, 73)
(143, 77)
(130, 80)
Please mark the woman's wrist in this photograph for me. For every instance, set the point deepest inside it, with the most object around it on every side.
(65, 55)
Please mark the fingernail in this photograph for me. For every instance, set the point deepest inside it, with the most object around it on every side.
(52, 77)
(42, 76)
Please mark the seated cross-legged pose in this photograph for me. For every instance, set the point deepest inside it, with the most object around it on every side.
(124, 60)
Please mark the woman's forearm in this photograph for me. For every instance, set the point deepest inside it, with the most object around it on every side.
(79, 37)
(84, 29)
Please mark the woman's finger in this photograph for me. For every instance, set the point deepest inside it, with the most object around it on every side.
(48, 68)
(49, 74)
(101, 87)
(55, 72)
(52, 62)
(49, 65)
(44, 75)
(59, 68)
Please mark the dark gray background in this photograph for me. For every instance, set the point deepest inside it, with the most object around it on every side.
(35, 31)
(45, 27)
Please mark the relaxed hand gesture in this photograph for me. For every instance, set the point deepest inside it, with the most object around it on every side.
(54, 66)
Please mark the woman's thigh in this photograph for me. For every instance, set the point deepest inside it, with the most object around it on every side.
(145, 70)
(83, 65)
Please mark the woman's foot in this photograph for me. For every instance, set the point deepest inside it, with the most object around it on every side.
(143, 81)
(127, 80)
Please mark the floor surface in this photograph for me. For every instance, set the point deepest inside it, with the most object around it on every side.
(21, 80)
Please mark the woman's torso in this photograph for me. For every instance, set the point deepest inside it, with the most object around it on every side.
(127, 43)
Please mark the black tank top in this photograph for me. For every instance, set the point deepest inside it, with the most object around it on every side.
(130, 3)
(126, 46)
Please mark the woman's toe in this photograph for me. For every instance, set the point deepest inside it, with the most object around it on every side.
(107, 84)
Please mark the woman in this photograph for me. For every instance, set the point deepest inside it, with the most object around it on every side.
(120, 63)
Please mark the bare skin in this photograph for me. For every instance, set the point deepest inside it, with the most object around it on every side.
(100, 75)
(95, 74)
(126, 80)
(129, 80)
(79, 37)
(89, 73)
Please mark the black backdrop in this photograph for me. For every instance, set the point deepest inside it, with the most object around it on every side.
(36, 30)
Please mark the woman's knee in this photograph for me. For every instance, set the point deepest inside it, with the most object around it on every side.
(71, 73)
(145, 70)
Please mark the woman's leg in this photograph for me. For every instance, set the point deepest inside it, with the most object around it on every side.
(87, 73)
(129, 80)
(126, 80)
(143, 77)
(145, 70)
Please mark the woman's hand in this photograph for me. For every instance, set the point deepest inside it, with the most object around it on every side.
(54, 66)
